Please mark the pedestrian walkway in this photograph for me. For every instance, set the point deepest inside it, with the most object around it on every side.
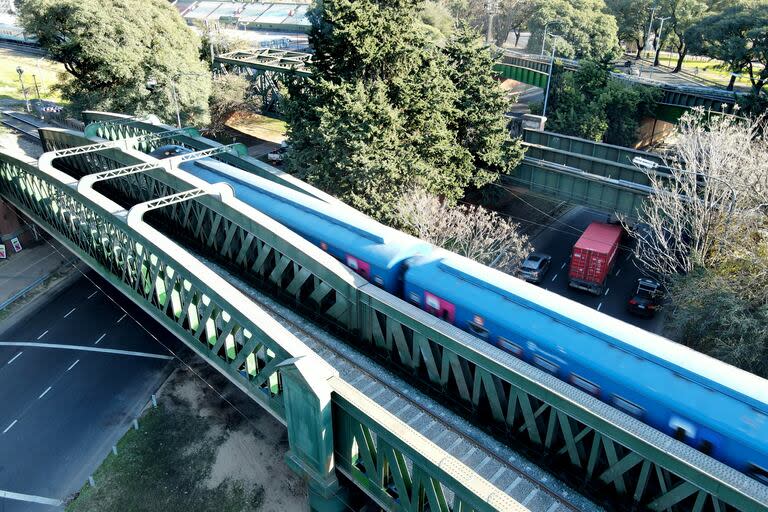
(30, 266)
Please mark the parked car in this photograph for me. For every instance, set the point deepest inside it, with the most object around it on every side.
(646, 298)
(534, 267)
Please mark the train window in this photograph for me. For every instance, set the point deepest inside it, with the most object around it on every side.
(682, 428)
(627, 406)
(706, 447)
(545, 365)
(478, 330)
(758, 473)
(378, 280)
(510, 347)
(414, 297)
(584, 384)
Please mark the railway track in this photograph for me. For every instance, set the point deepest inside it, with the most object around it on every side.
(19, 124)
(529, 485)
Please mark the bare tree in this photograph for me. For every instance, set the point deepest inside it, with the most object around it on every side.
(472, 231)
(706, 198)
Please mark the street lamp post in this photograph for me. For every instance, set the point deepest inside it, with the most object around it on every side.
(20, 71)
(490, 6)
(650, 27)
(660, 42)
(152, 84)
(549, 77)
(544, 39)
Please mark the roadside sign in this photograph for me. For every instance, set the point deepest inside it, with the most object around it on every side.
(16, 244)
(3, 255)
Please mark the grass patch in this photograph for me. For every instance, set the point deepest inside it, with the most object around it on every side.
(259, 126)
(163, 467)
(46, 72)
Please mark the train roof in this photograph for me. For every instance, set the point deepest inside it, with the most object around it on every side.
(737, 383)
(334, 224)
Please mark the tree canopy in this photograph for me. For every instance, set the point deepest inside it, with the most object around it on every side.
(633, 18)
(682, 14)
(112, 48)
(387, 109)
(586, 28)
(738, 36)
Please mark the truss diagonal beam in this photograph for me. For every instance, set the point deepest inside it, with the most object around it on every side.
(236, 149)
(123, 171)
(91, 148)
(175, 198)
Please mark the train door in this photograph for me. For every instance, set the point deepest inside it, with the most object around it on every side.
(434, 305)
(359, 266)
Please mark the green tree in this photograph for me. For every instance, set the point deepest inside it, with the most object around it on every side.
(738, 36)
(587, 30)
(111, 48)
(513, 17)
(683, 14)
(588, 103)
(632, 18)
(229, 95)
(480, 125)
(438, 17)
(381, 112)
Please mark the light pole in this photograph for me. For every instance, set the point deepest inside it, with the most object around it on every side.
(152, 84)
(650, 26)
(20, 71)
(544, 39)
(549, 78)
(490, 7)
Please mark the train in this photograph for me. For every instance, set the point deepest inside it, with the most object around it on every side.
(717, 409)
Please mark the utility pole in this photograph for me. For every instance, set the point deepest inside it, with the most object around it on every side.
(660, 42)
(37, 89)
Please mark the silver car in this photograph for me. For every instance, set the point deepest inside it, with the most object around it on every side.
(534, 267)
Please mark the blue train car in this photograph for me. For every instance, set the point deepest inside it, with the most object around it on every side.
(710, 405)
(376, 252)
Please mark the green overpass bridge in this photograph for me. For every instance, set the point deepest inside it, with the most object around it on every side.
(675, 101)
(162, 237)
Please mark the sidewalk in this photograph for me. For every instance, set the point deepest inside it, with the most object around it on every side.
(27, 267)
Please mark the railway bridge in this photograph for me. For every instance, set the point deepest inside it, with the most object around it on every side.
(198, 260)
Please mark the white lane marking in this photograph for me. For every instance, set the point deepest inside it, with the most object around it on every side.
(628, 256)
(94, 293)
(44, 392)
(121, 318)
(100, 338)
(606, 292)
(73, 365)
(599, 306)
(70, 312)
(618, 272)
(563, 265)
(9, 427)
(30, 498)
(553, 279)
(14, 357)
(46, 332)
(83, 348)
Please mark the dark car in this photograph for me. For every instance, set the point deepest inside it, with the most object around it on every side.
(534, 267)
(646, 299)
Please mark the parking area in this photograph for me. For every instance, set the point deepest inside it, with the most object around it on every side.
(557, 240)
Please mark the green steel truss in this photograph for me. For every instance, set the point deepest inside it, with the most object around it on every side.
(673, 104)
(591, 444)
(327, 419)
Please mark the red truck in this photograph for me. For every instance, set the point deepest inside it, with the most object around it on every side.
(593, 256)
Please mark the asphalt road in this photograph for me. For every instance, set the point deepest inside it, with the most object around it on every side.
(557, 240)
(61, 409)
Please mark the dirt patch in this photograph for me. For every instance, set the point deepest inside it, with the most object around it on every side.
(206, 446)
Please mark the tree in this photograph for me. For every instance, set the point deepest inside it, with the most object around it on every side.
(683, 14)
(229, 95)
(587, 30)
(588, 103)
(513, 16)
(469, 230)
(112, 48)
(437, 16)
(480, 124)
(633, 18)
(382, 111)
(738, 36)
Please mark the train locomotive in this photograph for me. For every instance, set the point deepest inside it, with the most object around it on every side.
(711, 406)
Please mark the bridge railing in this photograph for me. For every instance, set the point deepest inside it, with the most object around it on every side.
(614, 453)
(325, 416)
(226, 230)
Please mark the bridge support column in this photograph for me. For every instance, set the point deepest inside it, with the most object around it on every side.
(307, 398)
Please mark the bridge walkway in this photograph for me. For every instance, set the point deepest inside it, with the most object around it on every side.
(586, 439)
